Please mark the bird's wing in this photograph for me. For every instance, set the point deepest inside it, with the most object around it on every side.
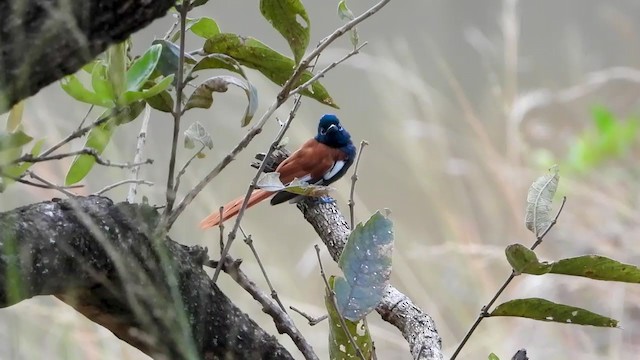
(314, 163)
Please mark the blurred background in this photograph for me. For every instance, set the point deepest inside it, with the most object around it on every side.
(464, 103)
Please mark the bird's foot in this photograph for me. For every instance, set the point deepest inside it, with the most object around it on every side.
(324, 200)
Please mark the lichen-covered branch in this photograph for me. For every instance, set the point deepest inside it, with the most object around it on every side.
(97, 256)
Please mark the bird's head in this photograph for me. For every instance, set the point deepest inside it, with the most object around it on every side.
(331, 133)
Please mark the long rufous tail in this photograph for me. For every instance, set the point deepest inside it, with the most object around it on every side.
(233, 208)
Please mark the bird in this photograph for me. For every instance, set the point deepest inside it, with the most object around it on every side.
(321, 160)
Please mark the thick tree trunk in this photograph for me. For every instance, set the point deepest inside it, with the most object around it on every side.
(99, 258)
(43, 40)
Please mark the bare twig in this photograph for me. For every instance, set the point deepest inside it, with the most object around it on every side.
(177, 113)
(322, 72)
(123, 182)
(29, 158)
(79, 132)
(184, 168)
(311, 320)
(135, 171)
(484, 312)
(171, 29)
(281, 319)
(280, 99)
(49, 185)
(274, 294)
(332, 297)
(221, 233)
(354, 179)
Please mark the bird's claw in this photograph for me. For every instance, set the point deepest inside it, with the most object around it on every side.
(324, 200)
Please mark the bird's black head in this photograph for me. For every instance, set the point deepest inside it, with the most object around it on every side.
(331, 133)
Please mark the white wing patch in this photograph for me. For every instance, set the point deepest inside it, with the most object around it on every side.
(337, 166)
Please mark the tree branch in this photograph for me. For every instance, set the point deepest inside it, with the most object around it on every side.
(98, 257)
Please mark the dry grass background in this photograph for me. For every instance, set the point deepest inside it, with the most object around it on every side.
(456, 98)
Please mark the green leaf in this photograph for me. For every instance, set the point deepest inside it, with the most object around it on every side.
(590, 266)
(117, 61)
(13, 140)
(202, 96)
(142, 68)
(340, 346)
(219, 61)
(72, 86)
(204, 27)
(16, 170)
(128, 113)
(603, 119)
(366, 263)
(133, 96)
(196, 3)
(170, 58)
(493, 356)
(545, 310)
(15, 116)
(539, 197)
(197, 132)
(305, 189)
(162, 102)
(524, 260)
(290, 18)
(100, 82)
(276, 67)
(346, 15)
(99, 138)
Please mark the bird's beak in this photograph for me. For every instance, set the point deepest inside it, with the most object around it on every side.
(332, 126)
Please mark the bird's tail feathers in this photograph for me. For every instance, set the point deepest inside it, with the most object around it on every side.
(233, 208)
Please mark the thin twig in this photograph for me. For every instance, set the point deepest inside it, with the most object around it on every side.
(322, 72)
(177, 113)
(484, 312)
(280, 99)
(171, 29)
(79, 132)
(312, 321)
(354, 179)
(274, 294)
(49, 185)
(252, 186)
(184, 168)
(221, 233)
(123, 182)
(135, 171)
(29, 158)
(332, 297)
(281, 319)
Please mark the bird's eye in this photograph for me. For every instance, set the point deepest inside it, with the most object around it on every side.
(323, 131)
(340, 128)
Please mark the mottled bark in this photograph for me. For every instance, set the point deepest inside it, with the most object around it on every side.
(99, 258)
(43, 40)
